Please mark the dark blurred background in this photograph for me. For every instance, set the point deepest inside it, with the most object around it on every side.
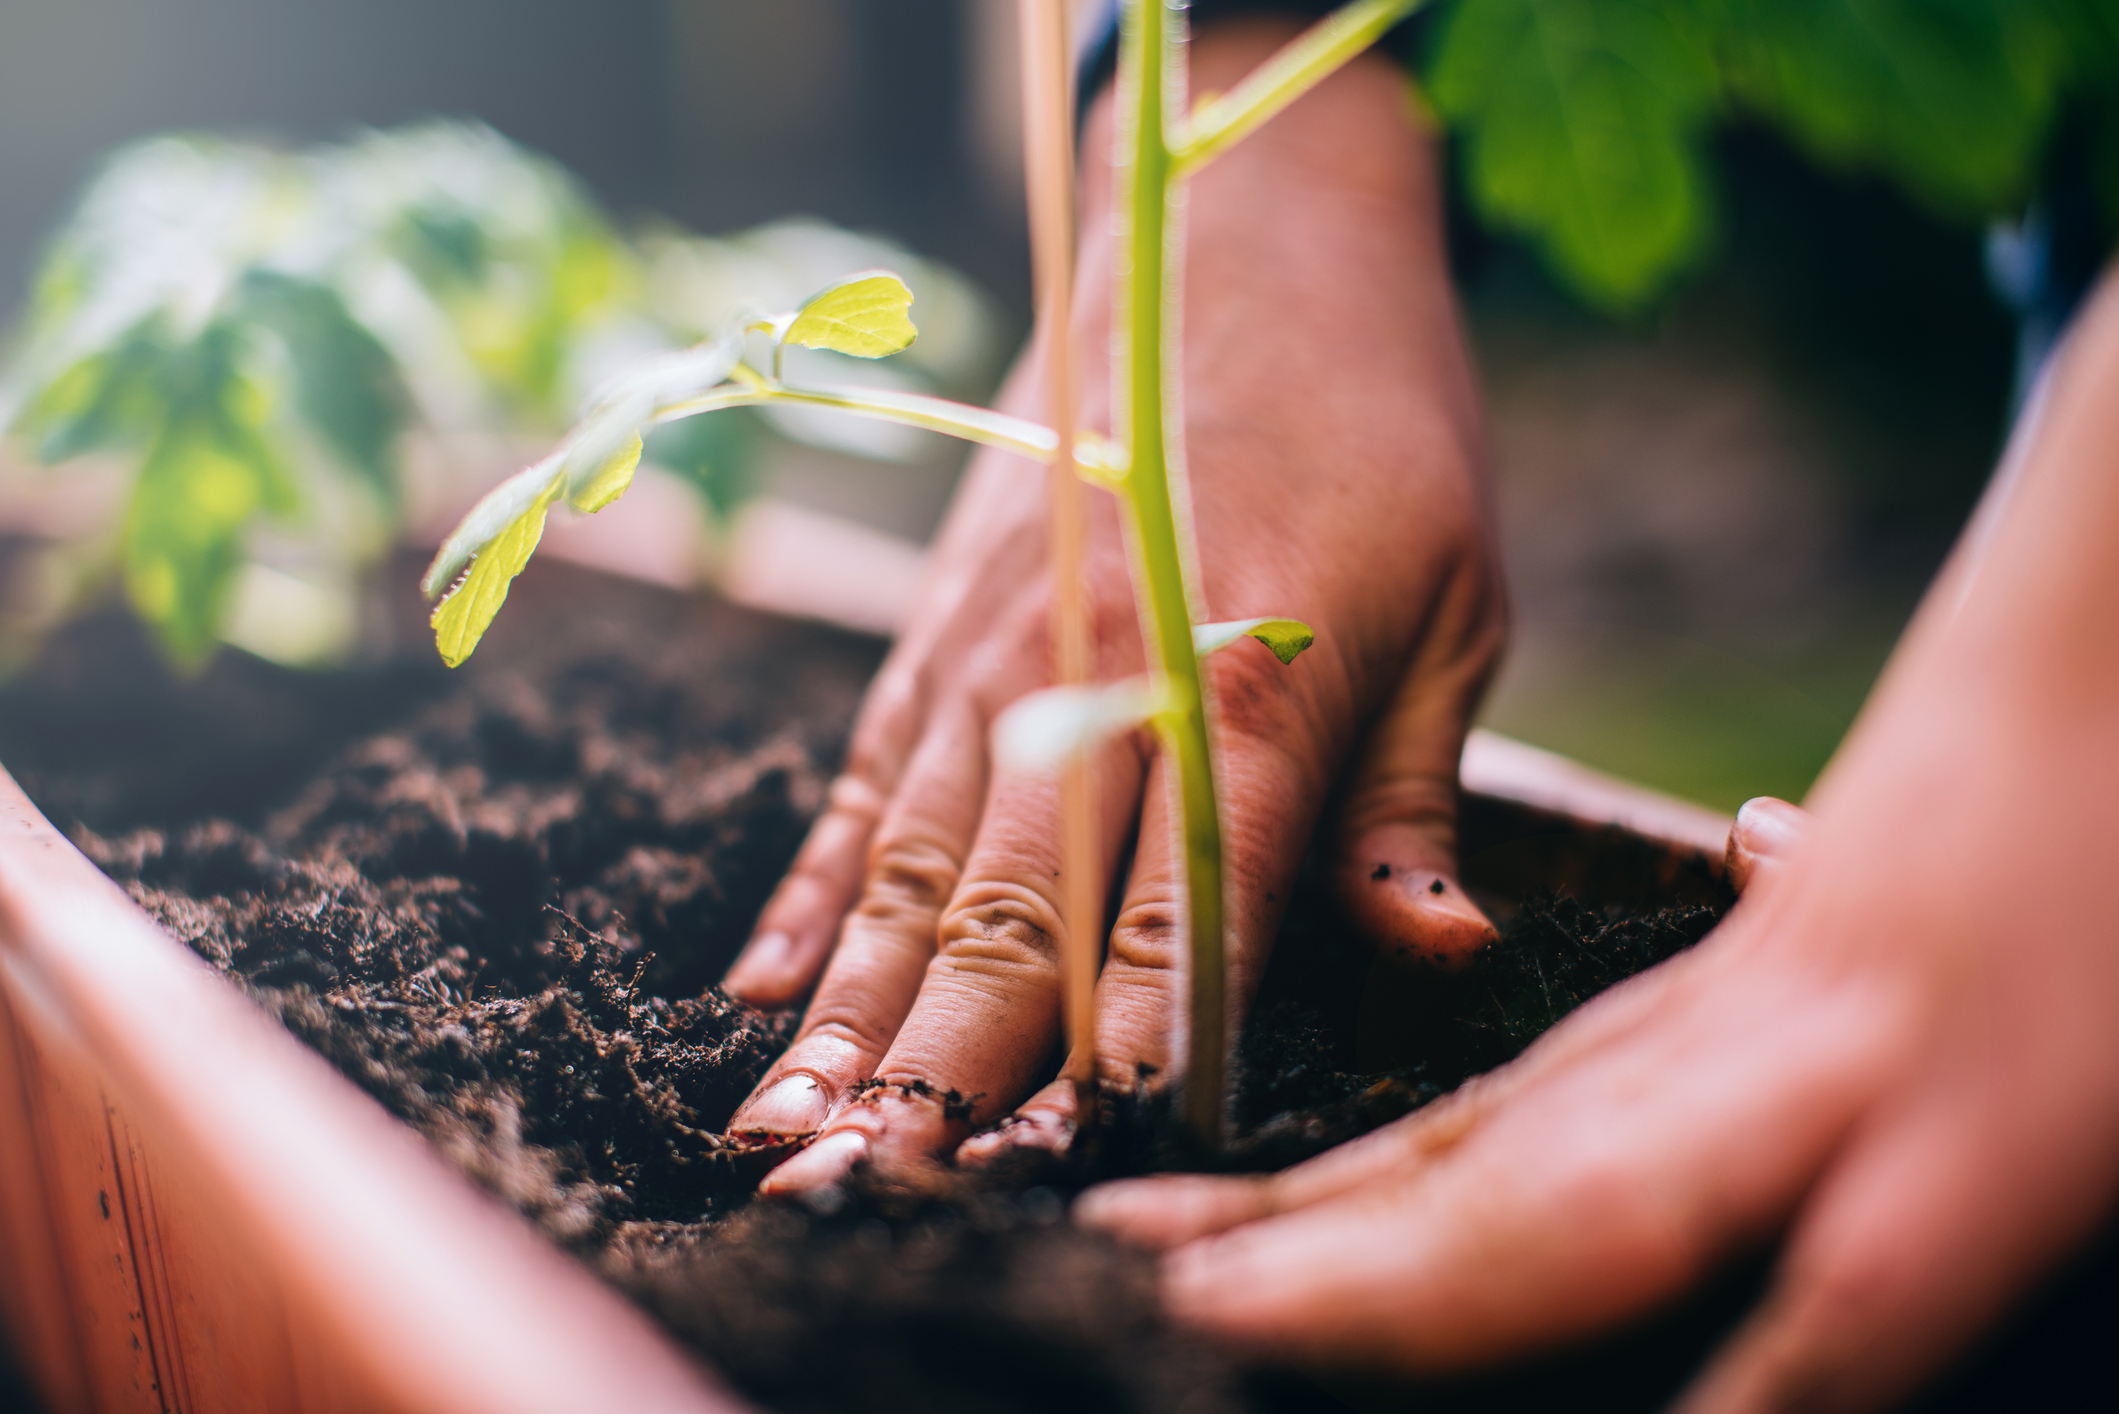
(719, 114)
(1717, 513)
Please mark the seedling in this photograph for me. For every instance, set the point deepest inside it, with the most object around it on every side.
(867, 315)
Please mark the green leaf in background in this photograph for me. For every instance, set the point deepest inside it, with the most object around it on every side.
(107, 400)
(1286, 637)
(182, 542)
(862, 315)
(345, 383)
(462, 619)
(1951, 97)
(1583, 122)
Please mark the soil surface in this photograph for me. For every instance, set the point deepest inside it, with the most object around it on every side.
(498, 901)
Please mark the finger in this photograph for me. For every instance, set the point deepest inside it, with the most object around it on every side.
(1171, 1209)
(1167, 1210)
(1047, 1121)
(1763, 838)
(887, 939)
(1140, 989)
(793, 935)
(1137, 995)
(987, 1014)
(1926, 1229)
(1397, 831)
(957, 606)
(1271, 767)
(1592, 1196)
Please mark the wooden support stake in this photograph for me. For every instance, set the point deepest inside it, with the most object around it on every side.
(1048, 139)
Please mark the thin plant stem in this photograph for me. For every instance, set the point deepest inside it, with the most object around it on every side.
(1301, 64)
(973, 424)
(1148, 425)
(1048, 138)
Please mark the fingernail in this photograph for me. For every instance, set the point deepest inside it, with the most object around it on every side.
(763, 964)
(797, 1105)
(822, 1165)
(1770, 828)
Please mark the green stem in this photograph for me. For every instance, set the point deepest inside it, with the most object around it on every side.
(973, 424)
(1302, 64)
(1144, 391)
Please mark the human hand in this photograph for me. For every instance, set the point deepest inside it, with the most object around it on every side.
(1334, 442)
(1896, 1055)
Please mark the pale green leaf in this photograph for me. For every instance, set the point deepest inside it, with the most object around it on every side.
(863, 315)
(1046, 728)
(1583, 122)
(496, 510)
(461, 619)
(609, 481)
(1286, 637)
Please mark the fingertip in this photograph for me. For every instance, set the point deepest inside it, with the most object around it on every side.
(768, 973)
(824, 1164)
(1171, 1210)
(1045, 1123)
(1765, 834)
(1413, 908)
(795, 1104)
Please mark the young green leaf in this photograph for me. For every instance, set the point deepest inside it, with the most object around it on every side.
(1046, 728)
(461, 619)
(862, 315)
(1286, 637)
(498, 509)
(608, 480)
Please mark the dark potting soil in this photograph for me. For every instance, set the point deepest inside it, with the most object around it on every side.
(498, 902)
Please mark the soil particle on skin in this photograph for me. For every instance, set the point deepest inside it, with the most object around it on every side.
(501, 913)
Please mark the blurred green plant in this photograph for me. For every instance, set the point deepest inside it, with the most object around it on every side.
(1585, 122)
(253, 332)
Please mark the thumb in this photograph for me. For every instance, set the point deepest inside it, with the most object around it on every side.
(1763, 838)
(1396, 855)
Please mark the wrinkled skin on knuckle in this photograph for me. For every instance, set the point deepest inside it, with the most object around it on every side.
(1002, 928)
(909, 879)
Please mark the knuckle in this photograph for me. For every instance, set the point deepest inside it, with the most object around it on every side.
(1001, 928)
(1254, 694)
(1147, 936)
(908, 875)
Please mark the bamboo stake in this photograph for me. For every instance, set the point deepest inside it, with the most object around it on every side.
(1048, 139)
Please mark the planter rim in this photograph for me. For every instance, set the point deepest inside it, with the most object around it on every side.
(1507, 769)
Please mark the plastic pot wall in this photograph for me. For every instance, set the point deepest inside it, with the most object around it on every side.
(198, 1214)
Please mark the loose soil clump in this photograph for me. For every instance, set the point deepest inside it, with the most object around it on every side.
(499, 901)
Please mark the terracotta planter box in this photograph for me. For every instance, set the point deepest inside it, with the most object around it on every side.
(198, 1214)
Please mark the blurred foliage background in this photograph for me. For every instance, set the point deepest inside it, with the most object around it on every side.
(1728, 266)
